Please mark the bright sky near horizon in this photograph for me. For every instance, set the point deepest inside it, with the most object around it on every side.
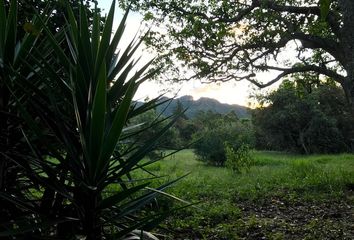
(229, 92)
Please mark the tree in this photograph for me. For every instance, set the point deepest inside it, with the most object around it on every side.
(218, 130)
(236, 40)
(153, 123)
(185, 127)
(293, 119)
(28, 8)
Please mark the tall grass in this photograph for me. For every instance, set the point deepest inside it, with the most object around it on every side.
(273, 173)
(276, 176)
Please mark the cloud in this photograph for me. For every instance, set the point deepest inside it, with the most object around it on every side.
(230, 92)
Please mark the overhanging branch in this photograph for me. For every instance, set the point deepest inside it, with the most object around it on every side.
(307, 68)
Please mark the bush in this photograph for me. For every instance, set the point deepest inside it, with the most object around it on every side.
(238, 160)
(210, 144)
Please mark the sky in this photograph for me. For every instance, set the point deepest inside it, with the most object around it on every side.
(229, 92)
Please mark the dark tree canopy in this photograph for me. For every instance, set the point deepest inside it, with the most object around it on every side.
(295, 119)
(28, 8)
(236, 40)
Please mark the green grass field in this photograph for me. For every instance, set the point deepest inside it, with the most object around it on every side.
(282, 197)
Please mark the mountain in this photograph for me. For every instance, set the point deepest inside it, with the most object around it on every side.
(202, 104)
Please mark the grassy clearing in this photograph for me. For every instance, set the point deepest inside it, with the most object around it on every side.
(319, 176)
(282, 196)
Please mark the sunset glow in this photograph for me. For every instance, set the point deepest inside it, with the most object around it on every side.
(229, 92)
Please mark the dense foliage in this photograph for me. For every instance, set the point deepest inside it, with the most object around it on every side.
(217, 130)
(63, 127)
(153, 123)
(236, 40)
(306, 120)
(239, 160)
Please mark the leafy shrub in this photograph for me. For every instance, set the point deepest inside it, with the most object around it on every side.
(240, 159)
(209, 146)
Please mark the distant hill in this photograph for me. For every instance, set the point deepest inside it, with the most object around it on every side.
(203, 104)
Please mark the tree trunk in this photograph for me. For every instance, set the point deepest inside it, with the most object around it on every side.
(302, 143)
(88, 200)
(8, 170)
(347, 41)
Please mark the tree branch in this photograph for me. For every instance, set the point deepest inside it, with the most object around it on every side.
(291, 9)
(315, 42)
(332, 18)
(307, 68)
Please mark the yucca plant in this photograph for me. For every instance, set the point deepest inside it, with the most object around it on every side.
(82, 110)
(13, 149)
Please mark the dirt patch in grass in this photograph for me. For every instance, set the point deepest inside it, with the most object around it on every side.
(274, 218)
(278, 218)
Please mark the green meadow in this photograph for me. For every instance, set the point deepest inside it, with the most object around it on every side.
(282, 196)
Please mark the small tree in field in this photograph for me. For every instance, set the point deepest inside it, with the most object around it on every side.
(218, 129)
(238, 160)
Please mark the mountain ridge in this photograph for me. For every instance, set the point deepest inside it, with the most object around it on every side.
(202, 104)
